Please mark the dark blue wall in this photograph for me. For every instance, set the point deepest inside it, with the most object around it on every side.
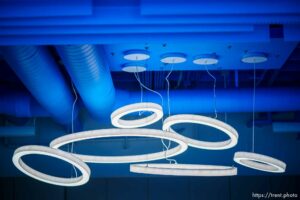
(240, 187)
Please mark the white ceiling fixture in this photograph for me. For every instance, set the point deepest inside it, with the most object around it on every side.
(41, 150)
(259, 162)
(173, 58)
(251, 159)
(206, 59)
(207, 121)
(183, 169)
(136, 55)
(133, 68)
(156, 115)
(109, 133)
(254, 57)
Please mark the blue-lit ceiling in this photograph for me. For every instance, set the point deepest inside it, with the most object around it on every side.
(39, 63)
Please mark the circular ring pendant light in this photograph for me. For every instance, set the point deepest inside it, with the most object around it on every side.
(197, 119)
(108, 133)
(183, 169)
(41, 150)
(136, 107)
(251, 159)
(259, 162)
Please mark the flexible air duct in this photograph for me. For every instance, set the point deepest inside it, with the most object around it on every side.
(41, 76)
(91, 76)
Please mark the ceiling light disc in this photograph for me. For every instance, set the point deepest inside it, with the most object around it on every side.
(197, 119)
(109, 133)
(254, 58)
(136, 107)
(183, 169)
(206, 59)
(136, 55)
(67, 157)
(173, 58)
(133, 68)
(259, 162)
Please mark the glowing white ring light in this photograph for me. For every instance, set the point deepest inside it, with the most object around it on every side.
(107, 133)
(183, 169)
(259, 162)
(197, 119)
(41, 150)
(136, 107)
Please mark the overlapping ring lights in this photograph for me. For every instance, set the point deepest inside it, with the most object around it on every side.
(132, 128)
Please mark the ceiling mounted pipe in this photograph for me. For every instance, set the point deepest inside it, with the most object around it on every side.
(227, 100)
(286, 127)
(41, 76)
(17, 131)
(91, 76)
(21, 104)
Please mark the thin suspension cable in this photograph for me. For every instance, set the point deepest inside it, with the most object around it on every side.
(155, 92)
(215, 97)
(169, 109)
(168, 89)
(145, 87)
(225, 86)
(253, 107)
(72, 122)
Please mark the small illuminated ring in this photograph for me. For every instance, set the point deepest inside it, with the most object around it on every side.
(183, 169)
(197, 119)
(259, 162)
(41, 150)
(108, 133)
(136, 107)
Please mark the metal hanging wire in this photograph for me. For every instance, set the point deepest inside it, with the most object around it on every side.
(214, 90)
(253, 106)
(72, 122)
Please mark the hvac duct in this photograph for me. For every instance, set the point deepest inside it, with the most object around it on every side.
(227, 100)
(21, 104)
(41, 76)
(91, 76)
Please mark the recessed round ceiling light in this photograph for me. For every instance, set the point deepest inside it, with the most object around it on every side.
(173, 58)
(254, 57)
(197, 119)
(206, 59)
(183, 169)
(136, 55)
(259, 162)
(67, 157)
(136, 107)
(109, 133)
(133, 68)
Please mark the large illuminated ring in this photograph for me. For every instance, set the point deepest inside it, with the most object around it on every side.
(197, 119)
(107, 133)
(183, 169)
(121, 112)
(41, 150)
(259, 162)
